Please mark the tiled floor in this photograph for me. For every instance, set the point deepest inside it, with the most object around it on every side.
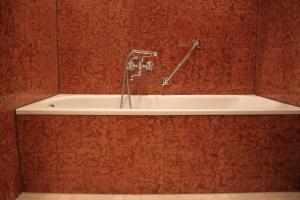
(241, 196)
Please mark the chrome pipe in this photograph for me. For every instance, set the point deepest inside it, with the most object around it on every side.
(166, 80)
(126, 83)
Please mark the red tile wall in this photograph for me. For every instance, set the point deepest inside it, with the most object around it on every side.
(278, 57)
(28, 73)
(159, 154)
(94, 38)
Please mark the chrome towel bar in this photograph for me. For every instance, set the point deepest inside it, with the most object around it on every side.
(165, 81)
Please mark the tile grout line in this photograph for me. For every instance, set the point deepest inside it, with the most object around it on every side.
(21, 187)
(109, 152)
(216, 157)
(163, 156)
(256, 48)
(236, 196)
(57, 50)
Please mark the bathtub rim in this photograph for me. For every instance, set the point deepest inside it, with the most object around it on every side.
(29, 110)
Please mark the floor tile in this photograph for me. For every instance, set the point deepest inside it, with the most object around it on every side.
(230, 196)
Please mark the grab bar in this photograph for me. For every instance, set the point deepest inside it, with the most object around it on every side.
(166, 80)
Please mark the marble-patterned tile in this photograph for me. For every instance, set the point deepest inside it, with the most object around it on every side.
(278, 60)
(33, 50)
(94, 40)
(7, 131)
(28, 67)
(136, 155)
(38, 153)
(83, 162)
(189, 154)
(240, 150)
(169, 154)
(283, 157)
(9, 175)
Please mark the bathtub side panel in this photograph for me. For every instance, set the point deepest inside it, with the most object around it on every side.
(83, 146)
(241, 143)
(283, 158)
(189, 154)
(136, 147)
(159, 154)
(38, 142)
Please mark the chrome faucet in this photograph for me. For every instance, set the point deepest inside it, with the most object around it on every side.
(135, 60)
(165, 81)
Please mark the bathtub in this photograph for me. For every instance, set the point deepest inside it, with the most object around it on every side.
(69, 104)
(197, 143)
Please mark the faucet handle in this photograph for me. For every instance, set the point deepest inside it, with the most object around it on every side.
(130, 65)
(149, 65)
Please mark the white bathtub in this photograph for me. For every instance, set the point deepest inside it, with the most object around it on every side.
(158, 105)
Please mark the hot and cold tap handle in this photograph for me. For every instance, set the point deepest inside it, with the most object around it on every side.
(136, 60)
